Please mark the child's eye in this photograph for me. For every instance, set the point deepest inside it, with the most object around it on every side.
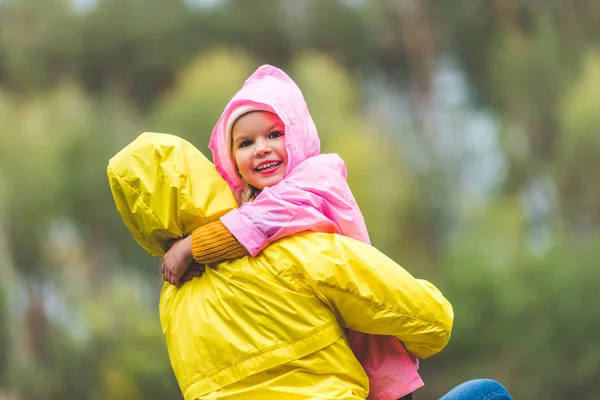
(245, 143)
(275, 135)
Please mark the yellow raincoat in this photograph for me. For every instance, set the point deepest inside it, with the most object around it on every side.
(269, 327)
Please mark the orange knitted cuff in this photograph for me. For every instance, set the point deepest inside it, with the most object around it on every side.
(213, 242)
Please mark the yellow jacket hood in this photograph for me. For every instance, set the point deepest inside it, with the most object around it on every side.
(164, 188)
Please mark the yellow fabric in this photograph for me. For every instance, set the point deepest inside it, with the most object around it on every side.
(213, 242)
(270, 327)
(296, 380)
(243, 322)
(164, 188)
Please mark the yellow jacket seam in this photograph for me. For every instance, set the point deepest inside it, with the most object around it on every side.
(257, 354)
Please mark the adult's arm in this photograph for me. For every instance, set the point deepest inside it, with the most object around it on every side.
(368, 291)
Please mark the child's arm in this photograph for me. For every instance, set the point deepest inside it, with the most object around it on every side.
(208, 244)
(314, 196)
(213, 243)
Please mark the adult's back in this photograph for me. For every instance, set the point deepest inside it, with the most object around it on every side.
(273, 325)
(270, 326)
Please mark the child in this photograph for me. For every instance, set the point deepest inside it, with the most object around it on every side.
(266, 147)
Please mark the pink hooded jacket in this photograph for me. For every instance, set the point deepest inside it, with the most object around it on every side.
(313, 196)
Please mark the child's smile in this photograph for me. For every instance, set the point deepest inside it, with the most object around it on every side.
(268, 167)
(259, 148)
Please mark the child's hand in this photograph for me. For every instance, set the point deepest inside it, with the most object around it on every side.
(177, 260)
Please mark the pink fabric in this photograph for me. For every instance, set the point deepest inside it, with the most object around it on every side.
(391, 370)
(313, 196)
(272, 89)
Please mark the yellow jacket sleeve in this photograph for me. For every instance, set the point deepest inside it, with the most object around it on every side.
(371, 293)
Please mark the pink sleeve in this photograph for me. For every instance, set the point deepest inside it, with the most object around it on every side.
(314, 196)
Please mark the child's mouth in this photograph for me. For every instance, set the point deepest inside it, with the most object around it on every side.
(268, 166)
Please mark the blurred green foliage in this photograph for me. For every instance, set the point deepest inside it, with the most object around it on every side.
(502, 215)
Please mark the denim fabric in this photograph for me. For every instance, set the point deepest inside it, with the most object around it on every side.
(478, 389)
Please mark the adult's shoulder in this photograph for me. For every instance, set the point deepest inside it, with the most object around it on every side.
(316, 247)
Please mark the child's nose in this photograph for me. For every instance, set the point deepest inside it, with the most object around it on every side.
(262, 149)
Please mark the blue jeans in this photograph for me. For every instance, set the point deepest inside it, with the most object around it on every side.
(478, 389)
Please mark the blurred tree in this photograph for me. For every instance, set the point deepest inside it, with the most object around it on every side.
(79, 84)
(37, 43)
(59, 230)
(4, 340)
(141, 46)
(135, 46)
(331, 27)
(258, 27)
(202, 90)
(576, 171)
(521, 60)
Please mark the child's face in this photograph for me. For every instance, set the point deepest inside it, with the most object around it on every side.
(259, 148)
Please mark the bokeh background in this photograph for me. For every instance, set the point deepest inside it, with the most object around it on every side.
(471, 133)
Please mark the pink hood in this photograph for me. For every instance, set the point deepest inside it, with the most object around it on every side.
(274, 90)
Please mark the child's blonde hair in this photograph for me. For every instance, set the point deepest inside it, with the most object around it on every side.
(247, 194)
